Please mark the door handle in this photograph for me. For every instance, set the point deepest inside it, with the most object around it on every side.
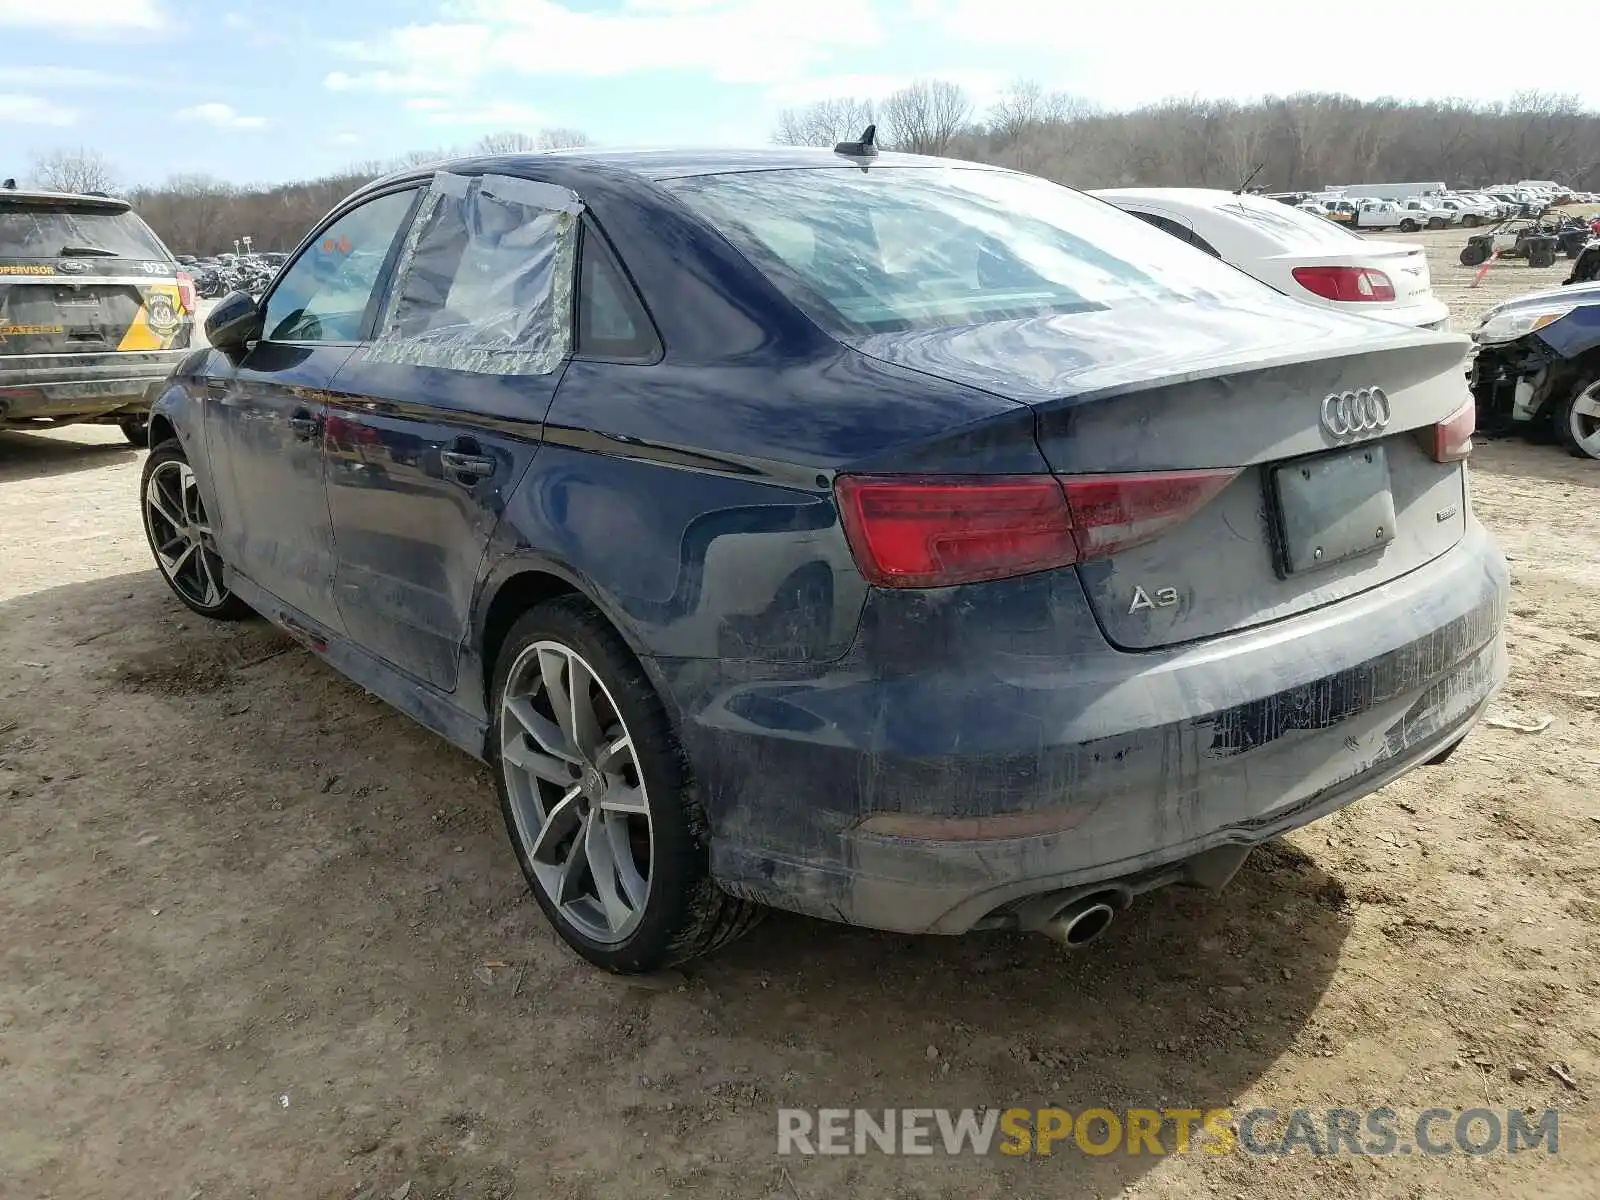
(305, 425)
(466, 468)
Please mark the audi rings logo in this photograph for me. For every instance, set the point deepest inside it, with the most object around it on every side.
(1347, 413)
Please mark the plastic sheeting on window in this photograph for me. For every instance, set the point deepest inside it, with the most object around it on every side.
(484, 280)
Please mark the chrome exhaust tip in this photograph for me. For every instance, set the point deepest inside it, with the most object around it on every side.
(1081, 922)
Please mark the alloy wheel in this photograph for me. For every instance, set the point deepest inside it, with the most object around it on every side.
(577, 795)
(181, 535)
(1583, 421)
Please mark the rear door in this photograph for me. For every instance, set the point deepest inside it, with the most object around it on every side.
(84, 275)
(433, 422)
(266, 417)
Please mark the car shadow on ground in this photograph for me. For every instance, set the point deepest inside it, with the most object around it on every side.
(1522, 458)
(26, 455)
(294, 890)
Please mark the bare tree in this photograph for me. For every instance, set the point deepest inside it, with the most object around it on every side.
(925, 116)
(825, 123)
(561, 138)
(79, 170)
(512, 142)
(507, 142)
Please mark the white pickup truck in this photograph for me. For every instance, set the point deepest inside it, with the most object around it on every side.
(1383, 214)
(1471, 211)
(1429, 212)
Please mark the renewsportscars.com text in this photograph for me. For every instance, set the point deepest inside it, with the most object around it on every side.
(1148, 1131)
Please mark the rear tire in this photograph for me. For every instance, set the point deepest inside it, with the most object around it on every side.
(1541, 254)
(1576, 420)
(1437, 222)
(610, 835)
(1470, 221)
(136, 429)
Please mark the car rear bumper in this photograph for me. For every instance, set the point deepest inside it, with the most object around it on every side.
(1431, 313)
(74, 386)
(936, 801)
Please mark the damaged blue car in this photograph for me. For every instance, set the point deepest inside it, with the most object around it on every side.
(909, 543)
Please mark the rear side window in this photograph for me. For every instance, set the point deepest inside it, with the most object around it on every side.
(900, 248)
(611, 321)
(484, 282)
(1165, 224)
(37, 231)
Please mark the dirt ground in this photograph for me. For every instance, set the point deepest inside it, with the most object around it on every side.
(260, 936)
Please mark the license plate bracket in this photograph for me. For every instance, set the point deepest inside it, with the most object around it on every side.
(1332, 508)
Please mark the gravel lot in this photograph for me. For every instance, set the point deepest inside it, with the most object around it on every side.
(262, 936)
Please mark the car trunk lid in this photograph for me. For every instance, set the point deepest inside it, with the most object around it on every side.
(1195, 387)
(1405, 266)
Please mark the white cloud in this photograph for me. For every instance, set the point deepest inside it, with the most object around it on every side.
(1096, 51)
(33, 110)
(83, 16)
(345, 139)
(982, 87)
(502, 114)
(734, 41)
(223, 116)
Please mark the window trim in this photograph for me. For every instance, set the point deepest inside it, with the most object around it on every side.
(380, 286)
(592, 239)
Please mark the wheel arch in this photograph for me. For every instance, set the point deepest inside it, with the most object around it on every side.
(161, 428)
(520, 583)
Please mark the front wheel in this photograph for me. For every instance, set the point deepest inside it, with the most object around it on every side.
(1474, 254)
(1576, 421)
(1408, 226)
(180, 536)
(598, 799)
(1470, 221)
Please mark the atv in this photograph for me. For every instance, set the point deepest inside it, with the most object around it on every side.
(1521, 237)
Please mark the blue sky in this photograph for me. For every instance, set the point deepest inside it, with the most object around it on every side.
(166, 86)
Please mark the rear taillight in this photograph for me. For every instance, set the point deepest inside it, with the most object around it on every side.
(1451, 439)
(186, 296)
(937, 531)
(1345, 283)
(1113, 512)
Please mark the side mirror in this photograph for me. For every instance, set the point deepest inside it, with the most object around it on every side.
(234, 323)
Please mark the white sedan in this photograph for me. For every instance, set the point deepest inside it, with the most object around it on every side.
(1299, 254)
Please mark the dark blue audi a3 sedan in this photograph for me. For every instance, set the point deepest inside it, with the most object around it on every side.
(905, 542)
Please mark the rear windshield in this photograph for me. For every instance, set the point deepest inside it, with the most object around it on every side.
(27, 231)
(898, 248)
(1289, 228)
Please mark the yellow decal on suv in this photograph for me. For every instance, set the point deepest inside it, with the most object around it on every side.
(26, 269)
(157, 321)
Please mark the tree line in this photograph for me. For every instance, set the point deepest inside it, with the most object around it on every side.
(202, 215)
(1302, 142)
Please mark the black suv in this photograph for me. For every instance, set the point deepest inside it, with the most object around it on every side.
(94, 312)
